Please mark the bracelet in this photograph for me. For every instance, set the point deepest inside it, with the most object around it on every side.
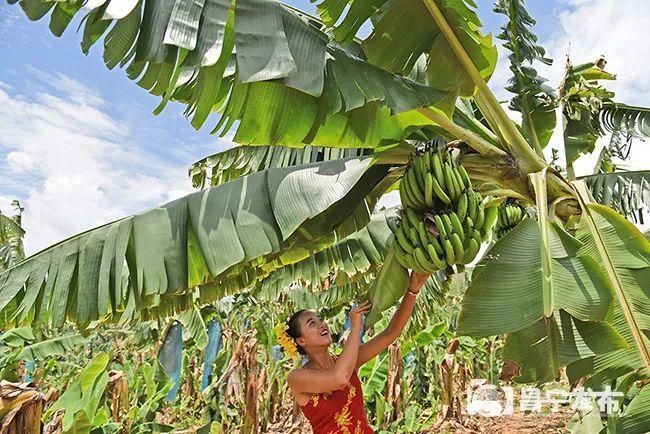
(415, 294)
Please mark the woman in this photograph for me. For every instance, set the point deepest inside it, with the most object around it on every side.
(327, 387)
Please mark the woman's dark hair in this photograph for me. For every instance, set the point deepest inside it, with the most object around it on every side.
(293, 328)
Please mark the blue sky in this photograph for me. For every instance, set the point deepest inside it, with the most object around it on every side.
(80, 147)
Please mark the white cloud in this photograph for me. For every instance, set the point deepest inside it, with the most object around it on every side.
(75, 166)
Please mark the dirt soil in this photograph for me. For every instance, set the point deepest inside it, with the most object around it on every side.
(518, 423)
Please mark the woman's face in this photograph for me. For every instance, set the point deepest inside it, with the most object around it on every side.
(313, 331)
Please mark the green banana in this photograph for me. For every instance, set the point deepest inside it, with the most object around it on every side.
(419, 172)
(426, 161)
(428, 189)
(447, 222)
(422, 260)
(422, 233)
(437, 261)
(404, 258)
(471, 252)
(403, 239)
(472, 205)
(480, 216)
(441, 226)
(476, 236)
(459, 180)
(437, 188)
(435, 243)
(414, 237)
(457, 244)
(438, 171)
(456, 224)
(490, 218)
(415, 190)
(406, 201)
(409, 194)
(469, 225)
(449, 182)
(462, 206)
(450, 256)
(465, 176)
(414, 220)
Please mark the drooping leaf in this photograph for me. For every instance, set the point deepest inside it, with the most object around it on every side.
(195, 326)
(624, 118)
(243, 160)
(52, 347)
(403, 30)
(626, 192)
(197, 248)
(284, 84)
(388, 287)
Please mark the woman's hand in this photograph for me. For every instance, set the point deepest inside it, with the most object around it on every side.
(417, 281)
(357, 313)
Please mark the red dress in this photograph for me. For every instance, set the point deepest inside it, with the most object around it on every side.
(339, 412)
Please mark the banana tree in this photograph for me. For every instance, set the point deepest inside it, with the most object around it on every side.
(296, 80)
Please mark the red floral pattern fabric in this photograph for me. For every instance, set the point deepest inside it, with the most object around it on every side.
(338, 412)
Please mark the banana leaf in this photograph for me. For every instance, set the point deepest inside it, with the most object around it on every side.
(283, 84)
(538, 287)
(196, 249)
(624, 255)
(626, 192)
(81, 400)
(634, 419)
(403, 31)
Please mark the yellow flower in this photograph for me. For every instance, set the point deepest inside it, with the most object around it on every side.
(285, 341)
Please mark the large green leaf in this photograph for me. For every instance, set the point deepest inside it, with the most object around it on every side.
(202, 246)
(626, 192)
(244, 160)
(552, 301)
(52, 347)
(634, 419)
(283, 84)
(403, 31)
(533, 99)
(83, 397)
(359, 254)
(388, 287)
(623, 253)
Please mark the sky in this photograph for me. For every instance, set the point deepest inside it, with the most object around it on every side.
(79, 146)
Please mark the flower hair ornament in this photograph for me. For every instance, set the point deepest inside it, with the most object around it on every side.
(286, 342)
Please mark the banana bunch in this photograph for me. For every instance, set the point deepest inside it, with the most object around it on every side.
(433, 180)
(427, 242)
(510, 215)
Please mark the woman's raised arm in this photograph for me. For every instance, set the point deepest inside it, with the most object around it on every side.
(396, 325)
